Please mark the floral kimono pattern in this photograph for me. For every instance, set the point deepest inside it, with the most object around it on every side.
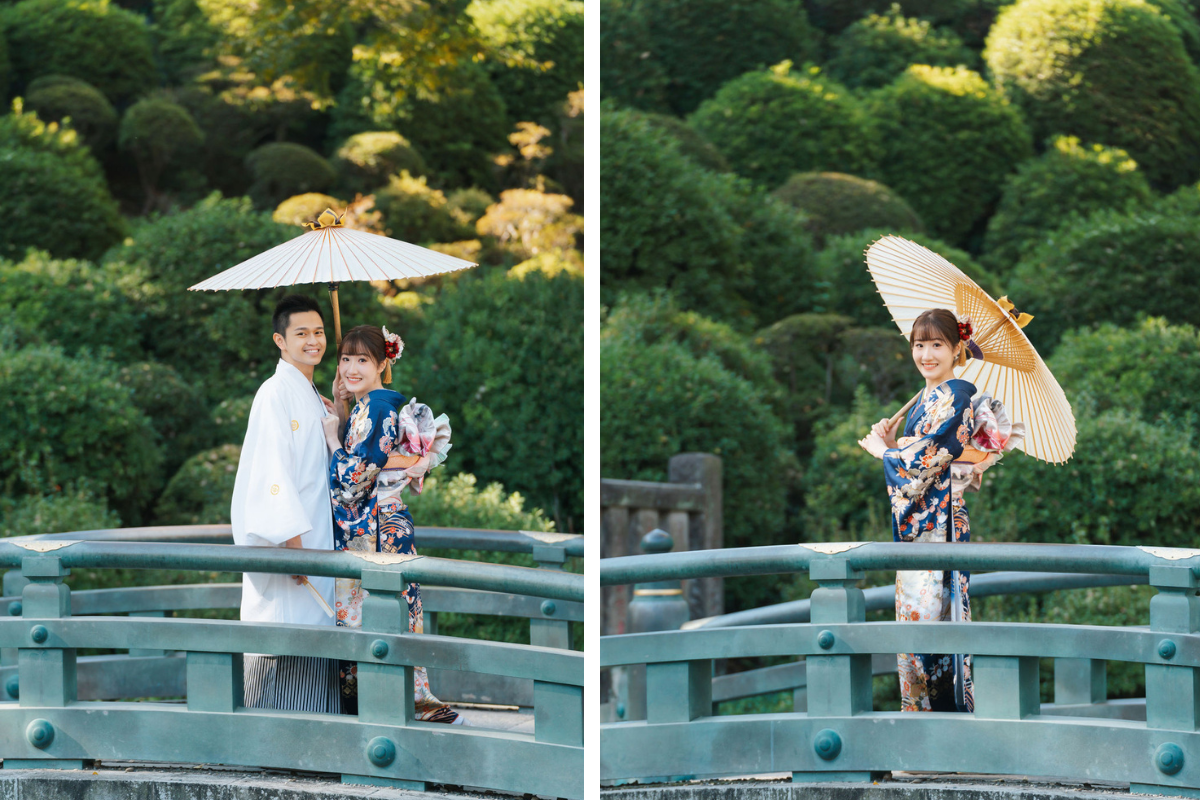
(926, 509)
(369, 515)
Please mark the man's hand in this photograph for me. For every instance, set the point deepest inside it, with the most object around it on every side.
(331, 425)
(340, 392)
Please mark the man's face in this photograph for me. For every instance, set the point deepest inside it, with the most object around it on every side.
(304, 342)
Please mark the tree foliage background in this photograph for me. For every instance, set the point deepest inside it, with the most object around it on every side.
(148, 144)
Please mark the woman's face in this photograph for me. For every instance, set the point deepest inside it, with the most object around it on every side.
(934, 358)
(360, 373)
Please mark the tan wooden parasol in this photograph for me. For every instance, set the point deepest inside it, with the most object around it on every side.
(912, 279)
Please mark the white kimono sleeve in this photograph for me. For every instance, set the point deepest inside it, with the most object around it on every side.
(272, 511)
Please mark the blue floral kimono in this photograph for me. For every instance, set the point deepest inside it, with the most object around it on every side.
(367, 517)
(925, 508)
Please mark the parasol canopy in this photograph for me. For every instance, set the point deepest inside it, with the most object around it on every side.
(912, 279)
(333, 254)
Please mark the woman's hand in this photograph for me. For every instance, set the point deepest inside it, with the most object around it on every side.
(331, 426)
(874, 444)
(886, 431)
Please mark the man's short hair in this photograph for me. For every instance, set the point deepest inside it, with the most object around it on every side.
(292, 304)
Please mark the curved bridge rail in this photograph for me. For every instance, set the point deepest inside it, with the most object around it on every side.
(841, 738)
(49, 726)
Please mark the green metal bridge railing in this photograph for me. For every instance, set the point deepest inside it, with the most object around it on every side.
(841, 738)
(52, 723)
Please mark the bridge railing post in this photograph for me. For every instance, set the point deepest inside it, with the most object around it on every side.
(1080, 681)
(838, 685)
(1172, 692)
(45, 669)
(557, 708)
(13, 584)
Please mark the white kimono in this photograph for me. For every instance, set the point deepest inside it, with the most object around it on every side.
(282, 490)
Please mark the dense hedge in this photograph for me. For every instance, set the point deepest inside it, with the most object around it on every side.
(875, 50)
(772, 123)
(702, 44)
(949, 140)
(1112, 267)
(458, 501)
(201, 492)
(366, 160)
(55, 97)
(536, 51)
(691, 143)
(629, 73)
(416, 212)
(72, 509)
(512, 340)
(836, 204)
(176, 409)
(283, 169)
(160, 135)
(1108, 71)
(92, 40)
(1069, 179)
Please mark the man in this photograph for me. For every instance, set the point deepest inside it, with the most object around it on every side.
(281, 499)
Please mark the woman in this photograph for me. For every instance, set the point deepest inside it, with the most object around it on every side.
(927, 506)
(369, 515)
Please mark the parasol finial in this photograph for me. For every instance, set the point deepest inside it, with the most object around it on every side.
(328, 219)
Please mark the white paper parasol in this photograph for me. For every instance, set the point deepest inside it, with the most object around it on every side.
(912, 279)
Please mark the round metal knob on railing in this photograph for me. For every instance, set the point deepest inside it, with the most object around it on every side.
(381, 751)
(15, 608)
(1168, 758)
(40, 733)
(1166, 649)
(828, 744)
(379, 648)
(13, 687)
(549, 608)
(825, 639)
(39, 633)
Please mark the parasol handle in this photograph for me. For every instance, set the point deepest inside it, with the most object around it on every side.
(337, 314)
(899, 414)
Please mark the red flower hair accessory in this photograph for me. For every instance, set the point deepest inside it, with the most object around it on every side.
(393, 345)
(965, 330)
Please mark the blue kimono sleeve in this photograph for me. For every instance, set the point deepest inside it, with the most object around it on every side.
(355, 466)
(918, 474)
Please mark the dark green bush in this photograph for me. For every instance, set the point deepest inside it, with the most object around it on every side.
(230, 419)
(182, 425)
(691, 143)
(1083, 68)
(1151, 369)
(1068, 179)
(674, 383)
(69, 510)
(415, 212)
(770, 124)
(536, 52)
(282, 169)
(833, 16)
(629, 73)
(55, 97)
(949, 140)
(835, 204)
(846, 286)
(305, 208)
(92, 40)
(468, 205)
(70, 304)
(492, 344)
(366, 160)
(202, 490)
(1112, 267)
(69, 419)
(184, 39)
(875, 50)
(160, 135)
(703, 44)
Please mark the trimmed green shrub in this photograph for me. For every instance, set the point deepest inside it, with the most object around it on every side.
(85, 427)
(201, 492)
(703, 44)
(92, 40)
(529, 222)
(1112, 267)
(846, 286)
(691, 143)
(366, 160)
(457, 501)
(835, 204)
(875, 50)
(1082, 68)
(283, 169)
(480, 361)
(468, 205)
(1182, 15)
(55, 97)
(772, 123)
(949, 140)
(72, 509)
(159, 134)
(230, 419)
(1068, 179)
(305, 208)
(779, 251)
(70, 304)
(176, 409)
(667, 389)
(415, 212)
(1151, 369)
(629, 73)
(536, 52)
